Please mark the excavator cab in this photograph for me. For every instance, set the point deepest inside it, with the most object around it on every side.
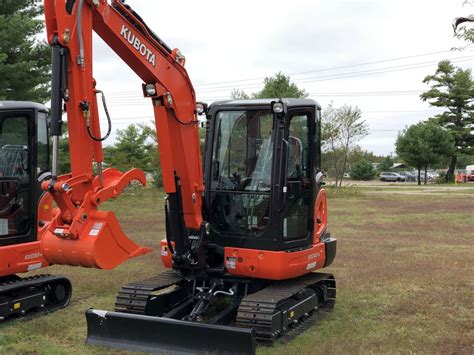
(262, 159)
(24, 158)
(24, 209)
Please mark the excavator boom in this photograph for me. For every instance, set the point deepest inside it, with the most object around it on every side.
(70, 25)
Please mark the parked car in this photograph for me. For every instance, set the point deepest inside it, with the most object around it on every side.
(386, 176)
(408, 176)
(431, 176)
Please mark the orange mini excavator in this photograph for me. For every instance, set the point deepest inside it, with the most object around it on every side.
(242, 241)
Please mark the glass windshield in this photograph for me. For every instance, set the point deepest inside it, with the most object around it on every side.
(42, 150)
(243, 151)
(241, 172)
(14, 176)
(14, 147)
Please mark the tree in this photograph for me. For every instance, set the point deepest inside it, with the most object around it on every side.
(64, 158)
(424, 144)
(133, 149)
(237, 94)
(277, 86)
(24, 60)
(341, 129)
(386, 164)
(453, 88)
(362, 170)
(463, 32)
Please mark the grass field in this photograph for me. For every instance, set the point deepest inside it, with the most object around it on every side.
(404, 268)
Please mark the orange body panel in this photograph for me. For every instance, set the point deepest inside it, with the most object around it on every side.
(20, 258)
(274, 265)
(320, 216)
(166, 257)
(264, 264)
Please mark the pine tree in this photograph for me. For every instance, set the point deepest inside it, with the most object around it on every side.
(453, 89)
(24, 59)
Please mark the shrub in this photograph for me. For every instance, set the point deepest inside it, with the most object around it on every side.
(362, 170)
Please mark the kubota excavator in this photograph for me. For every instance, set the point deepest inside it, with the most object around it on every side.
(242, 243)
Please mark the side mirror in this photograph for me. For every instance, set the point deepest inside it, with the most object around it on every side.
(320, 175)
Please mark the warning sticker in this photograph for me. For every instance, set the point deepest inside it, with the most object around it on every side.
(36, 266)
(3, 226)
(95, 229)
(59, 231)
(311, 266)
(164, 251)
(230, 263)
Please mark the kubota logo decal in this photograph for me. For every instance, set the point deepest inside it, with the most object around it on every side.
(138, 45)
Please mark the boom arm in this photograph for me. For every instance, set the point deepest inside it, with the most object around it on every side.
(70, 24)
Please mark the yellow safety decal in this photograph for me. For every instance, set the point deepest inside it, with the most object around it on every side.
(46, 207)
(292, 314)
(17, 305)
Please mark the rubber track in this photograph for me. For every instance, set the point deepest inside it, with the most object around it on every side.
(34, 281)
(134, 296)
(257, 310)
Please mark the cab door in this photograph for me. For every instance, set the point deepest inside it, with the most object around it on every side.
(17, 177)
(298, 191)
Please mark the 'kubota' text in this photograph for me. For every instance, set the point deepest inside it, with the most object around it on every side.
(138, 45)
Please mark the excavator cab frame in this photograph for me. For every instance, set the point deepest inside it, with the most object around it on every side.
(283, 172)
(24, 210)
(23, 142)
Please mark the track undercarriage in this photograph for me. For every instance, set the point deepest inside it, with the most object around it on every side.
(223, 314)
(25, 297)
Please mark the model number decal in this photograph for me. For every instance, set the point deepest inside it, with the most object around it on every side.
(313, 256)
(138, 45)
(33, 256)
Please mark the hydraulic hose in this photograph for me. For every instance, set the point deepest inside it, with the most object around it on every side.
(79, 33)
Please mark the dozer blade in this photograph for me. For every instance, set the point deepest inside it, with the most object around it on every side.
(156, 334)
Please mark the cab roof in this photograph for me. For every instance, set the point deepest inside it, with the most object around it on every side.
(21, 105)
(266, 102)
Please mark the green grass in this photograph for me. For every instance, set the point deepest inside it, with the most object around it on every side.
(347, 191)
(404, 272)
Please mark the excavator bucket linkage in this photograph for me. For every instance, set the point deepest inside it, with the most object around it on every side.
(92, 238)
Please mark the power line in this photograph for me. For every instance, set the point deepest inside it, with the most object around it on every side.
(344, 75)
(333, 68)
(324, 69)
(119, 95)
(141, 100)
(143, 119)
